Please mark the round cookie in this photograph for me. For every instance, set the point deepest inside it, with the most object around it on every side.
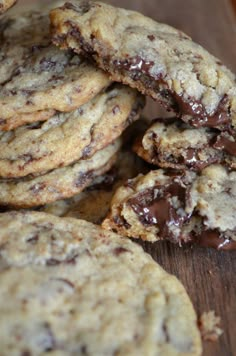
(173, 144)
(57, 184)
(37, 76)
(71, 288)
(93, 203)
(154, 58)
(5, 5)
(68, 137)
(151, 206)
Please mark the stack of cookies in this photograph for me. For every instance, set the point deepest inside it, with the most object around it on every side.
(68, 286)
(61, 117)
(188, 199)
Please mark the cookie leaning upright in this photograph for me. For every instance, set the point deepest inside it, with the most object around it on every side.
(155, 58)
(70, 287)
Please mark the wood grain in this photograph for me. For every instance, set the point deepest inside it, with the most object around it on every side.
(209, 276)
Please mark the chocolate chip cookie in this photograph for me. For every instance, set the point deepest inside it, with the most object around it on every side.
(170, 143)
(93, 203)
(151, 206)
(155, 58)
(182, 207)
(68, 137)
(5, 5)
(37, 76)
(69, 287)
(57, 184)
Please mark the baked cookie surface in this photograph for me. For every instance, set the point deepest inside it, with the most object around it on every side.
(5, 5)
(68, 137)
(37, 76)
(69, 287)
(57, 184)
(155, 58)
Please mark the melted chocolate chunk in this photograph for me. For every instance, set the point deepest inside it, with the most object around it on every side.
(200, 118)
(213, 238)
(119, 250)
(66, 281)
(54, 262)
(47, 64)
(33, 240)
(225, 144)
(151, 37)
(193, 161)
(154, 207)
(26, 353)
(135, 64)
(48, 343)
(116, 109)
(37, 188)
(83, 178)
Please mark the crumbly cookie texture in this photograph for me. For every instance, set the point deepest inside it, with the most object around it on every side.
(209, 326)
(151, 206)
(182, 207)
(155, 58)
(213, 195)
(57, 184)
(93, 203)
(5, 5)
(170, 143)
(68, 137)
(69, 287)
(36, 76)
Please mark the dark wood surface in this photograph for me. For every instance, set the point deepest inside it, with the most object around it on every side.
(208, 275)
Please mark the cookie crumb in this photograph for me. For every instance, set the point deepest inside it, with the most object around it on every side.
(209, 326)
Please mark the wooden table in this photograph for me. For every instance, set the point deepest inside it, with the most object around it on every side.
(209, 276)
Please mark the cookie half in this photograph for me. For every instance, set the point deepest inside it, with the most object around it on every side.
(70, 287)
(59, 183)
(37, 76)
(5, 5)
(151, 206)
(68, 137)
(181, 207)
(174, 144)
(155, 58)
